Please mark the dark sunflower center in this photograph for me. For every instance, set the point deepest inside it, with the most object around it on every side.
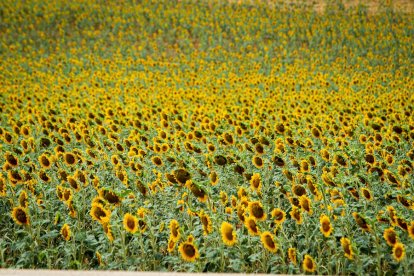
(131, 223)
(21, 216)
(189, 250)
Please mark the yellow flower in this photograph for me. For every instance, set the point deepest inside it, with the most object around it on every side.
(268, 241)
(228, 235)
(256, 210)
(292, 255)
(188, 251)
(398, 251)
(65, 232)
(326, 227)
(279, 215)
(256, 182)
(250, 223)
(347, 247)
(174, 230)
(99, 213)
(390, 236)
(20, 216)
(308, 264)
(130, 223)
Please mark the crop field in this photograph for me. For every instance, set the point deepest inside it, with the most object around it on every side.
(219, 136)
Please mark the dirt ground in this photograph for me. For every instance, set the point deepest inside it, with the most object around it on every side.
(373, 6)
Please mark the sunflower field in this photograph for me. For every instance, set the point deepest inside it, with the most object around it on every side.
(219, 136)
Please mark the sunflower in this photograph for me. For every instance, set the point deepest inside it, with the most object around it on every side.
(309, 264)
(45, 161)
(256, 210)
(171, 244)
(130, 223)
(20, 216)
(292, 255)
(198, 191)
(142, 225)
(347, 247)
(206, 222)
(279, 215)
(256, 182)
(23, 199)
(306, 204)
(390, 236)
(108, 232)
(241, 192)
(3, 187)
(228, 235)
(175, 230)
(69, 158)
(326, 227)
(367, 194)
(156, 160)
(304, 166)
(250, 223)
(296, 215)
(188, 251)
(182, 176)
(99, 213)
(214, 178)
(73, 183)
(268, 241)
(361, 222)
(65, 232)
(398, 251)
(110, 196)
(258, 162)
(228, 138)
(223, 198)
(11, 160)
(410, 230)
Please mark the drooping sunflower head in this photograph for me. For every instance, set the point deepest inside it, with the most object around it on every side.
(20, 216)
(361, 222)
(292, 255)
(206, 223)
(410, 230)
(347, 247)
(268, 241)
(174, 230)
(171, 244)
(228, 235)
(3, 187)
(256, 210)
(296, 215)
(130, 223)
(23, 199)
(256, 182)
(306, 204)
(110, 196)
(251, 225)
(99, 213)
(65, 232)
